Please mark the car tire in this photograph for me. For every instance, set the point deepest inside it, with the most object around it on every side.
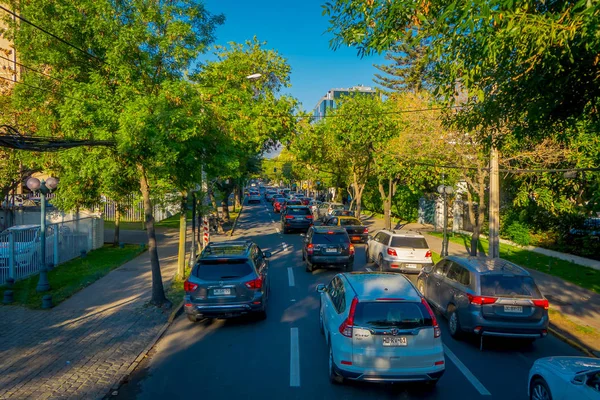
(192, 318)
(380, 263)
(454, 323)
(539, 390)
(333, 376)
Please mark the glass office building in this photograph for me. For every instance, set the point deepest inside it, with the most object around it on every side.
(328, 101)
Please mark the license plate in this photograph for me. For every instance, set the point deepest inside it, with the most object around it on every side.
(411, 265)
(221, 292)
(330, 250)
(394, 341)
(513, 309)
(355, 237)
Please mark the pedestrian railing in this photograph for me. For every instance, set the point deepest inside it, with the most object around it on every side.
(20, 247)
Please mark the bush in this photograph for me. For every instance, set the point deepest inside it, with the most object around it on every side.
(518, 233)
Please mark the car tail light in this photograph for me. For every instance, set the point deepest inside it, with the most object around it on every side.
(439, 362)
(542, 303)
(330, 232)
(436, 328)
(255, 283)
(481, 300)
(189, 286)
(309, 217)
(428, 254)
(346, 326)
(310, 248)
(289, 217)
(392, 252)
(351, 249)
(366, 230)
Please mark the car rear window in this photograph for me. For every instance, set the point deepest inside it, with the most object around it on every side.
(299, 211)
(509, 285)
(415, 243)
(294, 202)
(349, 221)
(328, 238)
(214, 270)
(386, 314)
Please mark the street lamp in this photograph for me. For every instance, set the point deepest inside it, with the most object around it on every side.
(253, 77)
(44, 187)
(445, 191)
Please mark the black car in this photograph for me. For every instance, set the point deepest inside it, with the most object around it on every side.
(229, 279)
(327, 246)
(357, 231)
(296, 218)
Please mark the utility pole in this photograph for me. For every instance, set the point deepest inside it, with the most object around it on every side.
(494, 216)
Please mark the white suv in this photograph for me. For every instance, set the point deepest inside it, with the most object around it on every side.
(379, 328)
(404, 252)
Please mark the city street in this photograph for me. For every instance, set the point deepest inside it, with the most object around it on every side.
(285, 356)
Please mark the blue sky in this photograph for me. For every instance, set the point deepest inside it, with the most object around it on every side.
(296, 30)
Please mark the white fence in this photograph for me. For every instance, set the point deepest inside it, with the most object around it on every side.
(20, 248)
(132, 210)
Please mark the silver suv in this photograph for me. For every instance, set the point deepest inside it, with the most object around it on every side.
(229, 279)
(486, 296)
(379, 328)
(405, 252)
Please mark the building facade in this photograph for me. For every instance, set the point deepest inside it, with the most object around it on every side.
(328, 102)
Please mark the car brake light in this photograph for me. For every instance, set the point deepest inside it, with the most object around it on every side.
(392, 252)
(481, 300)
(436, 328)
(351, 249)
(289, 217)
(346, 326)
(309, 217)
(189, 287)
(428, 254)
(310, 248)
(330, 232)
(543, 303)
(255, 283)
(366, 230)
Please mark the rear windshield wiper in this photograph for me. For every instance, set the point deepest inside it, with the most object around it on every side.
(231, 276)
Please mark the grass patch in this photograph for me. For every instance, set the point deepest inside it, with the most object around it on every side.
(173, 221)
(580, 275)
(72, 276)
(586, 334)
(175, 292)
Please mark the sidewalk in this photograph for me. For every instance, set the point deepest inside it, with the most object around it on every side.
(83, 346)
(579, 305)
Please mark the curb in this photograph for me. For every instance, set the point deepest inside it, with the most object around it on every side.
(571, 342)
(238, 217)
(175, 312)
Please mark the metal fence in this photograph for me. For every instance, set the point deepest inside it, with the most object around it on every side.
(20, 247)
(132, 210)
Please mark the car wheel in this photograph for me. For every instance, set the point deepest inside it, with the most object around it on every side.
(539, 390)
(333, 376)
(367, 258)
(454, 324)
(380, 263)
(192, 318)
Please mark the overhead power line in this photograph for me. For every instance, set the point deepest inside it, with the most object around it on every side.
(39, 88)
(52, 35)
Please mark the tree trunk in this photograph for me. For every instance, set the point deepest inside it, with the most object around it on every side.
(358, 191)
(236, 199)
(211, 196)
(117, 224)
(387, 205)
(225, 205)
(182, 235)
(158, 292)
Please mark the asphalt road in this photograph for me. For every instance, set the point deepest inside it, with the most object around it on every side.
(248, 359)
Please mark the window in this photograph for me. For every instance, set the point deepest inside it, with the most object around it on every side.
(349, 222)
(441, 268)
(379, 236)
(338, 295)
(412, 242)
(509, 285)
(459, 274)
(388, 314)
(298, 211)
(331, 238)
(216, 269)
(333, 221)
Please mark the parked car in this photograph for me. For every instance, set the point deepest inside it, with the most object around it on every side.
(229, 279)
(486, 297)
(379, 328)
(397, 251)
(357, 231)
(326, 246)
(331, 207)
(27, 250)
(564, 378)
(296, 218)
(254, 197)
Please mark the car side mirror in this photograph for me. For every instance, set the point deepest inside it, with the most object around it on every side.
(267, 254)
(427, 269)
(370, 237)
(320, 288)
(578, 380)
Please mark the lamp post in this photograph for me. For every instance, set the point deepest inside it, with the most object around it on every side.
(445, 191)
(44, 187)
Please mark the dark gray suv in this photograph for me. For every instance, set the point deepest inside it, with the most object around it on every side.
(327, 246)
(486, 296)
(229, 279)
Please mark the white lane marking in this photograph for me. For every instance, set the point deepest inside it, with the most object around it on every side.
(285, 246)
(293, 300)
(369, 269)
(291, 276)
(294, 358)
(465, 371)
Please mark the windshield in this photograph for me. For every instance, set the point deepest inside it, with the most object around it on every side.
(387, 314)
(349, 221)
(329, 238)
(508, 285)
(337, 206)
(411, 242)
(214, 270)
